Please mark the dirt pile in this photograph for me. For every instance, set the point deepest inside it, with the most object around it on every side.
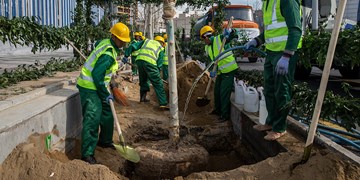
(321, 166)
(160, 159)
(186, 75)
(146, 127)
(27, 162)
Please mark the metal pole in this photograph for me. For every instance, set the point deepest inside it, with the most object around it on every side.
(174, 109)
(304, 21)
(315, 15)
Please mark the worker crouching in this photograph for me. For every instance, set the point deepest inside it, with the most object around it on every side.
(149, 62)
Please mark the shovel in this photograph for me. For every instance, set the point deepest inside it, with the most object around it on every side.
(203, 101)
(125, 151)
(323, 84)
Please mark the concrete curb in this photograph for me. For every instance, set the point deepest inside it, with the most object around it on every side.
(53, 110)
(292, 125)
(322, 140)
(16, 100)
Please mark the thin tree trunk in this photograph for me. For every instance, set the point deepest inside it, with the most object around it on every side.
(150, 22)
(169, 13)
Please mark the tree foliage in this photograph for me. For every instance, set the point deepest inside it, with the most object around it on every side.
(192, 3)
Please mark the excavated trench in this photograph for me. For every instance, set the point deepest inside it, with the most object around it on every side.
(204, 144)
(212, 148)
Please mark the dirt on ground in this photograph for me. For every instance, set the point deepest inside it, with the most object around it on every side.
(26, 86)
(323, 165)
(146, 128)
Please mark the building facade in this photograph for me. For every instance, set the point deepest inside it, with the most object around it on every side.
(184, 21)
(50, 12)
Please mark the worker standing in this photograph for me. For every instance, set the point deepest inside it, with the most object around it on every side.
(137, 38)
(149, 62)
(226, 69)
(92, 84)
(165, 66)
(282, 37)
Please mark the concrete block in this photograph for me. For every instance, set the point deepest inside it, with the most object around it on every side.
(15, 100)
(57, 113)
(242, 125)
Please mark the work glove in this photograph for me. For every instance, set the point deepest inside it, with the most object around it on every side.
(250, 44)
(212, 74)
(124, 59)
(227, 32)
(109, 97)
(282, 66)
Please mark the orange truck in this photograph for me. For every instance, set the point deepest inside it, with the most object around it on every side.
(243, 22)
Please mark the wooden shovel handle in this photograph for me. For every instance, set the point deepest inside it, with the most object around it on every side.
(77, 50)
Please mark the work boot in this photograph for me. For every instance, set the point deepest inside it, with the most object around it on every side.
(214, 112)
(143, 97)
(164, 107)
(107, 145)
(221, 120)
(89, 159)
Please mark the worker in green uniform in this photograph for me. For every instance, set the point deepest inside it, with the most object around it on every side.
(149, 62)
(165, 65)
(92, 84)
(282, 37)
(137, 38)
(226, 69)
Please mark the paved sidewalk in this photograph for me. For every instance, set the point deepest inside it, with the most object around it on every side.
(12, 61)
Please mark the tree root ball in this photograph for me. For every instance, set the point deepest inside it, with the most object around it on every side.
(164, 160)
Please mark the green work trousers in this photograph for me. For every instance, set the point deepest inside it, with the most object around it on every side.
(151, 72)
(223, 86)
(165, 72)
(95, 113)
(278, 90)
(134, 68)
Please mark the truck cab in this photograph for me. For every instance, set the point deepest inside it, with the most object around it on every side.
(243, 20)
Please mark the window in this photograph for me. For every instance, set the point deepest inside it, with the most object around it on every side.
(6, 5)
(13, 4)
(239, 14)
(20, 7)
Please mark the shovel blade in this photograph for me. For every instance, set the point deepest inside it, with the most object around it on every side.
(305, 157)
(202, 101)
(128, 153)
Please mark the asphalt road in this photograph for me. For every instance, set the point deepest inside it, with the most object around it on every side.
(12, 61)
(334, 83)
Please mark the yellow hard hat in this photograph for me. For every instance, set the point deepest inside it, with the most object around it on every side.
(206, 29)
(140, 33)
(121, 31)
(165, 36)
(143, 37)
(159, 38)
(137, 34)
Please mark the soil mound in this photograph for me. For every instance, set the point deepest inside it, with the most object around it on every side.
(186, 75)
(322, 165)
(27, 162)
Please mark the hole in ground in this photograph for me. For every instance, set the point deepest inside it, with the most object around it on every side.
(223, 152)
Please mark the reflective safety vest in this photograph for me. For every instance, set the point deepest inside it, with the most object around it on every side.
(135, 53)
(85, 79)
(149, 51)
(227, 61)
(166, 61)
(276, 32)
